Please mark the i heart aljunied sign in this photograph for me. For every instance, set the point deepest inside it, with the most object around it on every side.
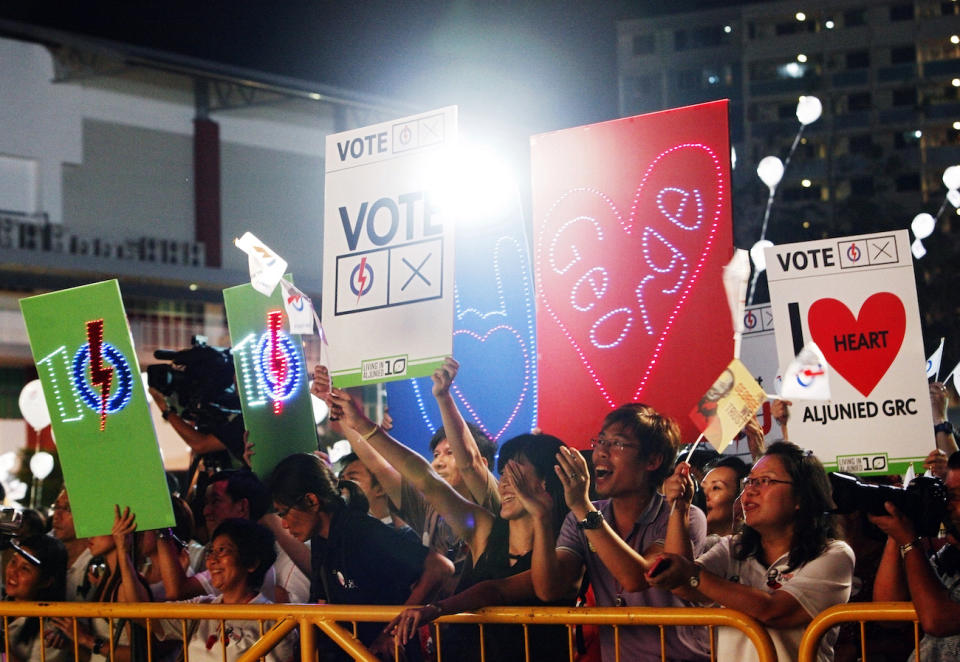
(631, 231)
(856, 298)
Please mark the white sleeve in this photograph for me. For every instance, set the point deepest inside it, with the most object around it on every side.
(825, 581)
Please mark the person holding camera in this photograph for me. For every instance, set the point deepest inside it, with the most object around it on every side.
(908, 572)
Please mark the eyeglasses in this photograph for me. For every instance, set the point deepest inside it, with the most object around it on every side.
(614, 444)
(219, 552)
(763, 482)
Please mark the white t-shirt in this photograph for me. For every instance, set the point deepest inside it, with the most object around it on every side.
(818, 584)
(283, 573)
(204, 635)
(76, 574)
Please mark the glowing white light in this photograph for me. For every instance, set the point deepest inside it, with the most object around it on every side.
(809, 109)
(922, 225)
(41, 464)
(801, 57)
(829, 24)
(954, 39)
(806, 183)
(728, 29)
(801, 16)
(770, 171)
(953, 197)
(951, 177)
(917, 249)
(955, 82)
(756, 254)
(733, 156)
(472, 183)
(793, 70)
(918, 134)
(956, 126)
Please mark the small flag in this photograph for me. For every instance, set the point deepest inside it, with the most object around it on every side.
(735, 276)
(728, 405)
(807, 378)
(299, 308)
(933, 363)
(266, 267)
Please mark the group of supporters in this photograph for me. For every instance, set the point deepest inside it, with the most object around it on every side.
(447, 536)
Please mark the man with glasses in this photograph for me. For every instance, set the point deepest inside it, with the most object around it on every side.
(907, 572)
(617, 538)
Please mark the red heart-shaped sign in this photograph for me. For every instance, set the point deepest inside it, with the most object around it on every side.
(861, 349)
(632, 230)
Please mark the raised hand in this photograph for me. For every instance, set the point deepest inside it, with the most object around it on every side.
(679, 485)
(572, 470)
(124, 524)
(443, 376)
(530, 491)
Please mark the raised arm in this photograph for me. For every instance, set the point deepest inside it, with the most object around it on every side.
(388, 477)
(626, 565)
(131, 588)
(468, 520)
(678, 490)
(466, 455)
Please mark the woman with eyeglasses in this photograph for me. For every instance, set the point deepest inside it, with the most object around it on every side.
(783, 568)
(36, 572)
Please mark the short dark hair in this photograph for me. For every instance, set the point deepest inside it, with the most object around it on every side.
(953, 462)
(304, 473)
(657, 434)
(740, 468)
(244, 484)
(486, 445)
(255, 544)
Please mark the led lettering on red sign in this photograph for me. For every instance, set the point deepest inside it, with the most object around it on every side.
(99, 375)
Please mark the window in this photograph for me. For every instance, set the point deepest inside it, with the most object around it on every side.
(908, 182)
(949, 8)
(858, 59)
(859, 102)
(905, 97)
(854, 17)
(708, 37)
(903, 54)
(786, 111)
(643, 44)
(680, 40)
(862, 144)
(902, 12)
(862, 186)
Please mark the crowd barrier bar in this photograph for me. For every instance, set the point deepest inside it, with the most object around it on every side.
(860, 612)
(328, 618)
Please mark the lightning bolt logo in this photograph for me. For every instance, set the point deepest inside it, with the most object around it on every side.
(100, 375)
(362, 278)
(278, 361)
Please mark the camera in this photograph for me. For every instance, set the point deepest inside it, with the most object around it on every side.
(198, 382)
(924, 500)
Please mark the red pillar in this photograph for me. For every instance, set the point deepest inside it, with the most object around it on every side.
(206, 187)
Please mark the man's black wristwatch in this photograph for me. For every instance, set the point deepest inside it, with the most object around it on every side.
(593, 520)
(946, 426)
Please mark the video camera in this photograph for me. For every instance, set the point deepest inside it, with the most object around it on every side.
(924, 500)
(198, 384)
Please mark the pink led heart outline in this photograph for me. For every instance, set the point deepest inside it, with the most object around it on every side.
(627, 226)
(526, 378)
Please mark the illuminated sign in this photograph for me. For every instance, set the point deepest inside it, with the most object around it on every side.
(269, 368)
(98, 407)
(632, 227)
(97, 377)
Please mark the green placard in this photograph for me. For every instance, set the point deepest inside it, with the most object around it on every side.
(272, 377)
(98, 407)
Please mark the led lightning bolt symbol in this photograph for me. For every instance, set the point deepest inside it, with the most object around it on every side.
(362, 278)
(278, 362)
(100, 375)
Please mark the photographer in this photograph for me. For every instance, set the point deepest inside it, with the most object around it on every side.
(196, 395)
(932, 582)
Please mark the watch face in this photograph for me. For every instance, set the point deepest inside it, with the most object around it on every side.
(694, 581)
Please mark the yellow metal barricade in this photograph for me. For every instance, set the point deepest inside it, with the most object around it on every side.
(861, 613)
(329, 619)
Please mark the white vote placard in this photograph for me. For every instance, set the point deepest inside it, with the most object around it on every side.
(388, 249)
(758, 351)
(856, 298)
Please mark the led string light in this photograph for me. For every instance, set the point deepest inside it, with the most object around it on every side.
(62, 367)
(627, 226)
(277, 367)
(573, 249)
(623, 332)
(698, 198)
(598, 292)
(255, 396)
(675, 257)
(94, 399)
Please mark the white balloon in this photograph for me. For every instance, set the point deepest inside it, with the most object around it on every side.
(757, 256)
(770, 170)
(917, 249)
(41, 464)
(922, 225)
(809, 110)
(33, 405)
(951, 177)
(953, 197)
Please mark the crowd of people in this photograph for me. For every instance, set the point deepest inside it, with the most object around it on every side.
(621, 525)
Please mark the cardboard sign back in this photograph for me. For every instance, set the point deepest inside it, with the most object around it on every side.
(632, 229)
(101, 421)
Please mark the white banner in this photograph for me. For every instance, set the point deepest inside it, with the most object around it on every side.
(855, 298)
(388, 249)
